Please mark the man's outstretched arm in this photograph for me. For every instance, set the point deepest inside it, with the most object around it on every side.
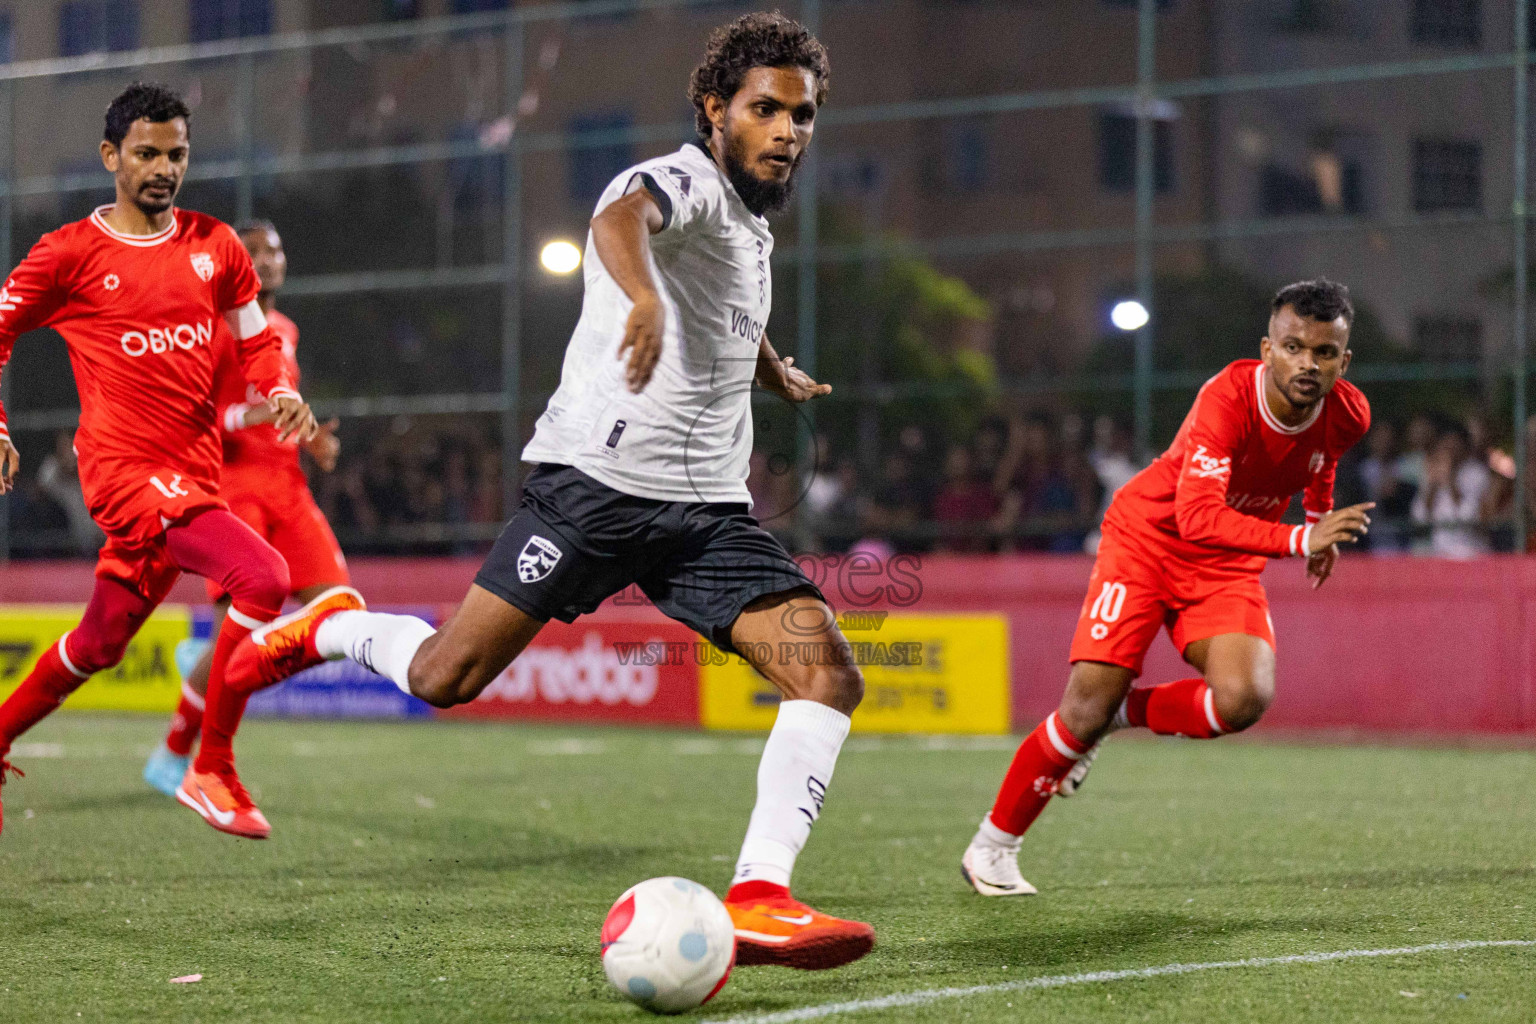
(621, 234)
(784, 378)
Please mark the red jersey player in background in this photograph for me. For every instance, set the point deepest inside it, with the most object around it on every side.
(1183, 544)
(264, 485)
(136, 289)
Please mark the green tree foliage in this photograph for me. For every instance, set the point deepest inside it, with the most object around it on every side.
(915, 333)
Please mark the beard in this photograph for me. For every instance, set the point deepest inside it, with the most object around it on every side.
(762, 197)
(1301, 398)
(155, 205)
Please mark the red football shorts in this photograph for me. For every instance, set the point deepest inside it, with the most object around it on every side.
(288, 518)
(145, 567)
(133, 506)
(135, 503)
(1132, 594)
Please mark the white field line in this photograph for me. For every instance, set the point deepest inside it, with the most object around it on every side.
(934, 995)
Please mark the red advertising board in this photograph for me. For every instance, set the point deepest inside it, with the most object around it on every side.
(599, 670)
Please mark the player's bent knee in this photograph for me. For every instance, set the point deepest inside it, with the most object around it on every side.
(838, 686)
(1240, 703)
(94, 654)
(848, 688)
(262, 582)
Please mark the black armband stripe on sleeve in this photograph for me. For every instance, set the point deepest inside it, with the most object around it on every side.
(662, 199)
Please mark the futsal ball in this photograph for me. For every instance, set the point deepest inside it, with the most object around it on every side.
(669, 945)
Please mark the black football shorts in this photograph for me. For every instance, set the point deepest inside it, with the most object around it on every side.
(573, 542)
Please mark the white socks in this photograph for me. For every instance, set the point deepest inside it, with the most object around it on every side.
(990, 835)
(792, 780)
(380, 643)
(1121, 720)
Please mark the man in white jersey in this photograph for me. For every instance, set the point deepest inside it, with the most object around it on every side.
(641, 474)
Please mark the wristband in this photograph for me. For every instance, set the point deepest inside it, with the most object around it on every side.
(1301, 541)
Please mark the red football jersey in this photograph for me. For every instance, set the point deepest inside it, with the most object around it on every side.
(139, 314)
(253, 456)
(1215, 497)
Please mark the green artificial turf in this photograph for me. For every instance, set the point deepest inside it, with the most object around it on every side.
(460, 872)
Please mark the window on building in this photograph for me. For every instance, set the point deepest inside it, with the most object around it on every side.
(1440, 338)
(1447, 175)
(1447, 22)
(1307, 16)
(854, 174)
(1162, 5)
(229, 19)
(475, 6)
(1328, 184)
(1117, 152)
(966, 156)
(93, 26)
(7, 39)
(593, 166)
(400, 10)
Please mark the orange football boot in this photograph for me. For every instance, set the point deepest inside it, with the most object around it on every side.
(783, 931)
(223, 803)
(286, 645)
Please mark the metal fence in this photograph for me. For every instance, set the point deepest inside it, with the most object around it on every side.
(427, 312)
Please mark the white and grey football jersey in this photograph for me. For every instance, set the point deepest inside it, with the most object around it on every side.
(688, 435)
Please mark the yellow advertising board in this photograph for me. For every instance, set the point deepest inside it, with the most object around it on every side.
(922, 674)
(146, 680)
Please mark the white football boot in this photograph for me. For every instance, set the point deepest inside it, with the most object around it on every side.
(1073, 780)
(993, 870)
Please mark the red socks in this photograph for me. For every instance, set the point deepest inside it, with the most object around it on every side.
(39, 695)
(219, 547)
(186, 723)
(1043, 758)
(1184, 708)
(225, 706)
(743, 892)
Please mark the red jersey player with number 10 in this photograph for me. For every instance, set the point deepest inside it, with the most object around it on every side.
(1183, 545)
(136, 290)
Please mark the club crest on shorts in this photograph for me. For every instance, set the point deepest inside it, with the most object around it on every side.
(203, 264)
(537, 559)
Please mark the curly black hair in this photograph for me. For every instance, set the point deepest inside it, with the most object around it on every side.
(1320, 299)
(756, 40)
(143, 101)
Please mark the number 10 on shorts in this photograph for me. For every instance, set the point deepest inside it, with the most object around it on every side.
(1106, 609)
(171, 490)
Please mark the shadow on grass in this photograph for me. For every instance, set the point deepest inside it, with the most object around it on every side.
(1113, 940)
(121, 801)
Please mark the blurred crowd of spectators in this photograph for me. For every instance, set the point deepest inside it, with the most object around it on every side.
(1038, 483)
(416, 488)
(1440, 485)
(1033, 483)
(1030, 483)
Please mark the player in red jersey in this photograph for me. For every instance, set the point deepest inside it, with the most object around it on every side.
(136, 289)
(265, 486)
(1183, 545)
